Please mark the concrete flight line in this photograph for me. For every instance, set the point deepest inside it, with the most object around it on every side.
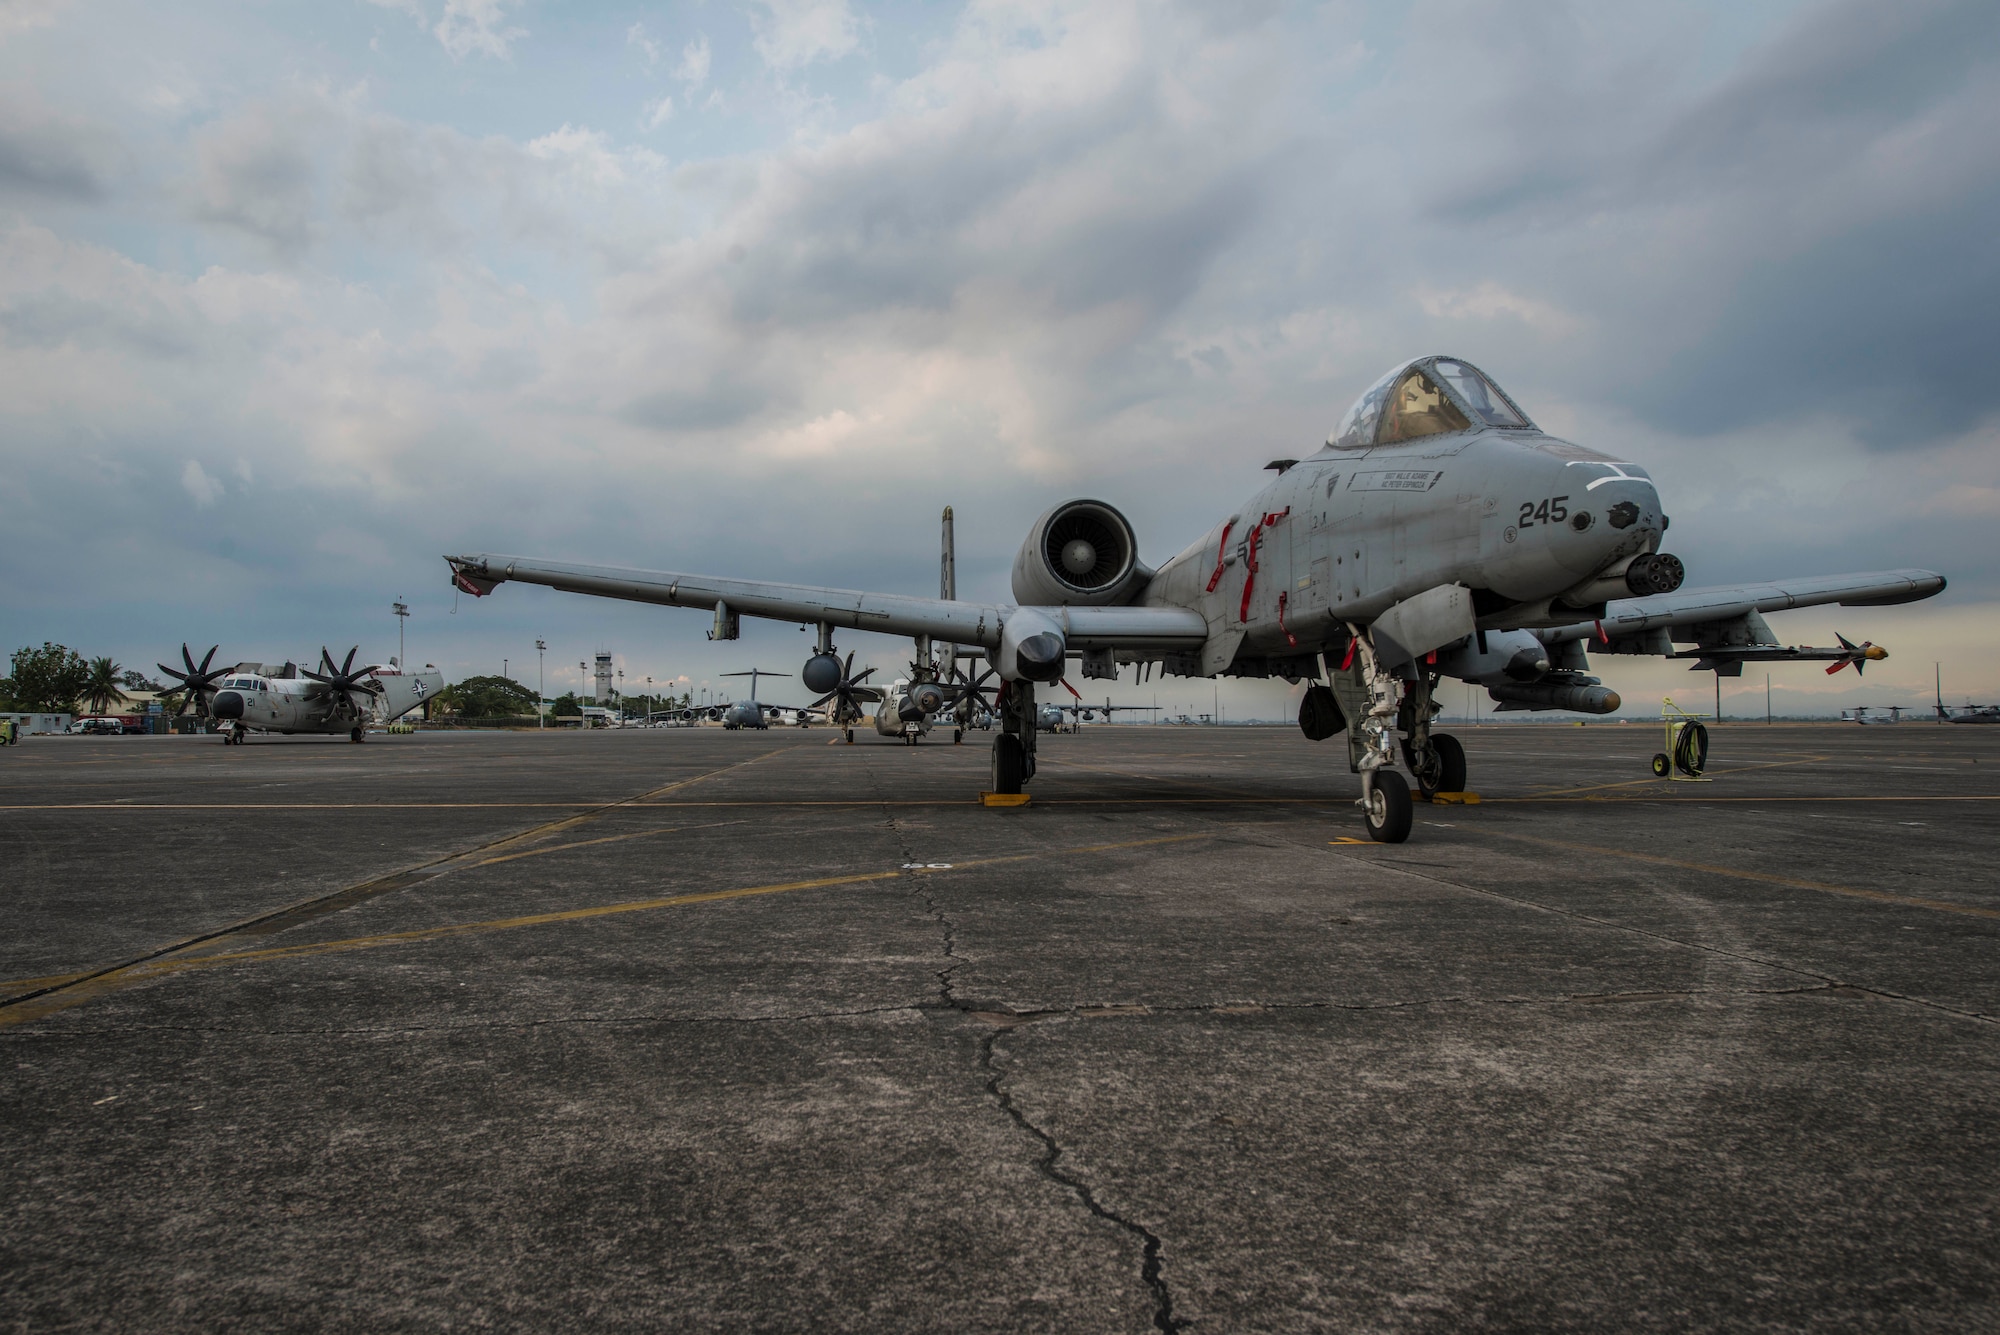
(1766, 878)
(85, 987)
(33, 997)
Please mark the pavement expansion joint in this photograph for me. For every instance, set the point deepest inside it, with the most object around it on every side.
(1150, 1269)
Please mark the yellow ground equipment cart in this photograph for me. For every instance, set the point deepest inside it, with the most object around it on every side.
(1686, 755)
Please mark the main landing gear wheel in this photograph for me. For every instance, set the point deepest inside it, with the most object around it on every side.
(957, 736)
(1009, 763)
(1388, 812)
(1443, 770)
(850, 735)
(355, 736)
(1661, 764)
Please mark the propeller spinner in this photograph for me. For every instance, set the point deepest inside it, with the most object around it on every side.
(197, 684)
(848, 706)
(344, 681)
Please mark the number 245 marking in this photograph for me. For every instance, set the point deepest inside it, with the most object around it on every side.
(1550, 511)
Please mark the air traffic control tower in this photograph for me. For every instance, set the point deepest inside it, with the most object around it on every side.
(603, 693)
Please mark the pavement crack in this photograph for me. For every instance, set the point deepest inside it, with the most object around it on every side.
(1047, 1164)
(921, 887)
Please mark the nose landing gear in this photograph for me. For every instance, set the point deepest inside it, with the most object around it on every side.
(1386, 808)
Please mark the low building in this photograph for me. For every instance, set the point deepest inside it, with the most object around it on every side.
(34, 724)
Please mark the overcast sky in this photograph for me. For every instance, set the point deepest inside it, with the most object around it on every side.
(296, 297)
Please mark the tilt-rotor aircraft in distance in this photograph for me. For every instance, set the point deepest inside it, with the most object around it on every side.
(285, 698)
(1439, 533)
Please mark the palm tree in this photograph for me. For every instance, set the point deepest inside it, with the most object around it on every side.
(101, 691)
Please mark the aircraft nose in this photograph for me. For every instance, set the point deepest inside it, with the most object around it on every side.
(1613, 520)
(227, 704)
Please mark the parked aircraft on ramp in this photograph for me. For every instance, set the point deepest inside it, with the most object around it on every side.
(1438, 533)
(285, 698)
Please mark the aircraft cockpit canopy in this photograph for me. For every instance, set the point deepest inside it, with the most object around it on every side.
(243, 684)
(1432, 396)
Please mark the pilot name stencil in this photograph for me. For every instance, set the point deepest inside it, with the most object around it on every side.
(1397, 479)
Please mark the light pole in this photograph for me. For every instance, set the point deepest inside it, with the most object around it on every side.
(503, 669)
(541, 691)
(583, 718)
(402, 611)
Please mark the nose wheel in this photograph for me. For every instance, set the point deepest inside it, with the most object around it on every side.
(355, 735)
(1386, 810)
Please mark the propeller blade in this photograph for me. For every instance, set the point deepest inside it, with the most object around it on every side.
(866, 674)
(347, 668)
(205, 657)
(823, 699)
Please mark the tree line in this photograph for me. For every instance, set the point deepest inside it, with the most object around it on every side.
(55, 679)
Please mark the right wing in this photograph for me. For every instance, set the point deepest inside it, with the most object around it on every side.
(893, 614)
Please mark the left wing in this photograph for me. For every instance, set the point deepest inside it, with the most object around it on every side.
(806, 604)
(1727, 626)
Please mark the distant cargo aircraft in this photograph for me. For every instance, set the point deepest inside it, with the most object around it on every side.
(1439, 533)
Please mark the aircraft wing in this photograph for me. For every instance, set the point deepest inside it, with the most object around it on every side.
(806, 604)
(1731, 615)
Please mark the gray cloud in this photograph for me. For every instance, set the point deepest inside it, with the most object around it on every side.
(258, 173)
(46, 157)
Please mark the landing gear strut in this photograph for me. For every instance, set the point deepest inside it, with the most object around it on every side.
(1369, 696)
(1014, 748)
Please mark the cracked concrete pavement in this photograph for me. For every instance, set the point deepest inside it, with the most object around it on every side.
(741, 1032)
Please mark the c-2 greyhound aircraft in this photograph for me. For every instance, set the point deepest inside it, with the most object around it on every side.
(260, 697)
(1439, 533)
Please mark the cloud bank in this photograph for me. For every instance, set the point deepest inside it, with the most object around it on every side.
(763, 296)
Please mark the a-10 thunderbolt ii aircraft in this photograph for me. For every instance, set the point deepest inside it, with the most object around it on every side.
(1438, 533)
(285, 698)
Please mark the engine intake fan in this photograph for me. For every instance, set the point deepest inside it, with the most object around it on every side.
(1081, 553)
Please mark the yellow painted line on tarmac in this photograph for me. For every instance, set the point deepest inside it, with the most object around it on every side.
(48, 995)
(607, 839)
(117, 979)
(1635, 783)
(1697, 796)
(1765, 878)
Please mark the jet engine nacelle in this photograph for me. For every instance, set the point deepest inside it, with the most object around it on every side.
(1081, 553)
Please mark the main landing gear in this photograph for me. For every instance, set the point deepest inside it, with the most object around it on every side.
(1371, 704)
(1014, 748)
(357, 734)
